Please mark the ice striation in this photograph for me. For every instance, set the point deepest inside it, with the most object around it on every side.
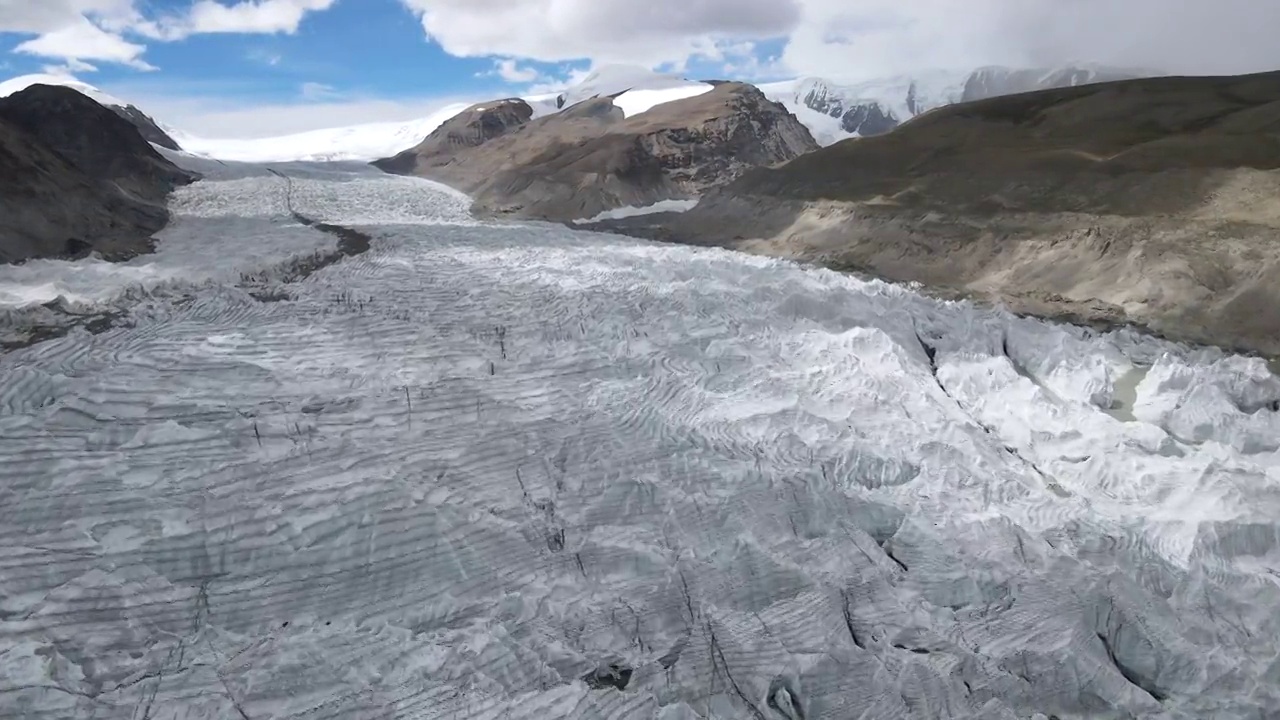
(514, 471)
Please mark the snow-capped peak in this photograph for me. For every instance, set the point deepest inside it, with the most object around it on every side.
(991, 81)
(637, 89)
(609, 80)
(832, 109)
(22, 82)
(154, 132)
(837, 110)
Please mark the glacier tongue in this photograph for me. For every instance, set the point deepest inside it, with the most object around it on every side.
(512, 471)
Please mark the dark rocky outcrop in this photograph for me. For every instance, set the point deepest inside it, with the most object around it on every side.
(611, 675)
(862, 117)
(1153, 201)
(589, 157)
(867, 120)
(147, 127)
(77, 177)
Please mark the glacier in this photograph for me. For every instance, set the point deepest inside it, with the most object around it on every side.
(510, 470)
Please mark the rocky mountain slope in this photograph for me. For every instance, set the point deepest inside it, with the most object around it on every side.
(150, 129)
(593, 156)
(76, 177)
(146, 125)
(1152, 201)
(468, 129)
(875, 107)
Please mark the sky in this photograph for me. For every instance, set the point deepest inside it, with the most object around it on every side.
(254, 68)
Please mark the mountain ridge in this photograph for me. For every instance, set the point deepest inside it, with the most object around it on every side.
(150, 129)
(77, 177)
(1148, 201)
(594, 156)
(831, 109)
(874, 107)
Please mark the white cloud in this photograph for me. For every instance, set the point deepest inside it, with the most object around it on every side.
(232, 109)
(509, 70)
(264, 56)
(315, 91)
(250, 16)
(83, 30)
(81, 41)
(69, 67)
(41, 16)
(866, 38)
(568, 79)
(755, 66)
(648, 32)
(879, 37)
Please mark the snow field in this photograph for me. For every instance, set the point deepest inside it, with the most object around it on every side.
(369, 141)
(661, 206)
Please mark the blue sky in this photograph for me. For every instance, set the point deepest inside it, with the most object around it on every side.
(264, 67)
(300, 64)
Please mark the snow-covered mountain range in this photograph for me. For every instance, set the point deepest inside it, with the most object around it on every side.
(878, 106)
(636, 91)
(832, 110)
(871, 107)
(366, 141)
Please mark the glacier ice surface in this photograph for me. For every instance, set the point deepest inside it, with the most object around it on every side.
(662, 206)
(514, 471)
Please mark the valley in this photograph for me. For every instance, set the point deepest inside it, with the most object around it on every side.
(482, 465)
(563, 415)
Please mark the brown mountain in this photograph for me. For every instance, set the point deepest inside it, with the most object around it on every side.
(75, 177)
(1155, 201)
(589, 157)
(468, 129)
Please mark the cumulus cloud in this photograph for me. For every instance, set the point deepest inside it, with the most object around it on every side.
(102, 30)
(559, 82)
(41, 16)
(866, 38)
(250, 16)
(650, 32)
(70, 67)
(878, 37)
(511, 71)
(82, 41)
